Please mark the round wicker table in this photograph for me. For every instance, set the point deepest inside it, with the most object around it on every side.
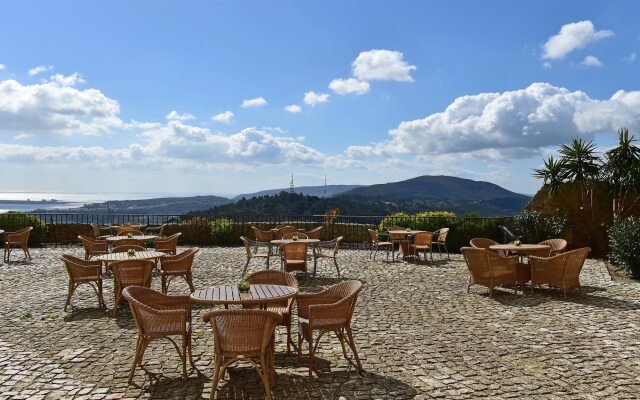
(257, 294)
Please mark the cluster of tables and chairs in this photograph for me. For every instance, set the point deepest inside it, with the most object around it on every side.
(515, 264)
(292, 246)
(409, 242)
(246, 332)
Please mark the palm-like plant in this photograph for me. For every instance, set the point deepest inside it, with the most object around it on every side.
(622, 172)
(553, 175)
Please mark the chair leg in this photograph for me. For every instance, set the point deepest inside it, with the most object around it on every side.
(289, 337)
(69, 294)
(335, 262)
(118, 293)
(447, 250)
(299, 346)
(189, 278)
(183, 356)
(315, 265)
(140, 348)
(216, 379)
(100, 295)
(310, 341)
(265, 375)
(352, 344)
(163, 279)
(26, 253)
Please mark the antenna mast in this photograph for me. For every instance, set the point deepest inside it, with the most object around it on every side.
(291, 186)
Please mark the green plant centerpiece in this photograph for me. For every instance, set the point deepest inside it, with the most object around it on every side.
(129, 235)
(408, 229)
(244, 285)
(131, 252)
(294, 237)
(517, 242)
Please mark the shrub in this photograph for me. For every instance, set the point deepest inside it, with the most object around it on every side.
(534, 226)
(222, 229)
(13, 221)
(624, 244)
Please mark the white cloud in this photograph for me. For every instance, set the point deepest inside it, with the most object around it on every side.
(293, 108)
(508, 125)
(175, 116)
(312, 98)
(591, 61)
(40, 68)
(576, 35)
(70, 80)
(53, 108)
(382, 65)
(22, 136)
(349, 86)
(630, 58)
(225, 117)
(546, 65)
(255, 102)
(2, 67)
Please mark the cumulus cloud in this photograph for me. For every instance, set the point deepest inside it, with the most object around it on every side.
(382, 65)
(70, 80)
(349, 86)
(225, 117)
(508, 125)
(39, 69)
(312, 98)
(175, 116)
(255, 102)
(293, 108)
(628, 59)
(591, 61)
(573, 36)
(56, 108)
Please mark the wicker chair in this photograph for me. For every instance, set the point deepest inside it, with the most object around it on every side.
(155, 230)
(314, 233)
(396, 238)
(484, 243)
(377, 244)
(284, 308)
(327, 250)
(93, 247)
(293, 256)
(251, 248)
(558, 246)
(441, 241)
(19, 238)
(284, 230)
(422, 241)
(490, 270)
(262, 236)
(126, 247)
(561, 271)
(129, 273)
(168, 245)
(128, 242)
(291, 235)
(97, 235)
(178, 265)
(159, 316)
(330, 310)
(83, 272)
(124, 229)
(244, 335)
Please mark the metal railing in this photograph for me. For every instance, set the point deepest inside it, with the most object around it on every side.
(56, 229)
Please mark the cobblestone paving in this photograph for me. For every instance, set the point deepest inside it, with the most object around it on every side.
(419, 334)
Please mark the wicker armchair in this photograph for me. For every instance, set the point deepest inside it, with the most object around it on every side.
(262, 236)
(93, 247)
(126, 247)
(422, 241)
(328, 311)
(83, 272)
(124, 229)
(129, 273)
(293, 256)
(128, 242)
(314, 233)
(178, 265)
(490, 270)
(97, 234)
(484, 243)
(327, 250)
(558, 246)
(273, 277)
(561, 271)
(251, 248)
(155, 230)
(19, 238)
(168, 245)
(159, 316)
(244, 335)
(441, 241)
(284, 230)
(377, 244)
(291, 235)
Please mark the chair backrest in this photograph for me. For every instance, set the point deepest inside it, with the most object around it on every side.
(346, 295)
(147, 305)
(557, 245)
(331, 245)
(423, 238)
(273, 277)
(574, 262)
(477, 261)
(249, 245)
(294, 251)
(77, 267)
(373, 235)
(125, 248)
(124, 229)
(297, 234)
(21, 235)
(168, 243)
(284, 230)
(442, 235)
(128, 242)
(482, 243)
(262, 236)
(539, 252)
(314, 233)
(132, 272)
(155, 230)
(242, 331)
(95, 230)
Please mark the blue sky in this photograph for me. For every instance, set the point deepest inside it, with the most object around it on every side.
(147, 96)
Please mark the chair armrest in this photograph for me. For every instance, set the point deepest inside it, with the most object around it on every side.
(305, 300)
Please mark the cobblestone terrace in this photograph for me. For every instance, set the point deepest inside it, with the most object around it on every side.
(420, 335)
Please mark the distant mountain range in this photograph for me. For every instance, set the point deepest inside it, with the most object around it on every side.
(423, 193)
